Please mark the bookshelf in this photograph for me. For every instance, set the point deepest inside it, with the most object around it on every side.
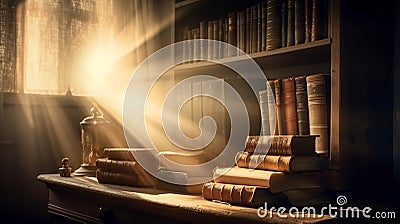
(317, 56)
(358, 58)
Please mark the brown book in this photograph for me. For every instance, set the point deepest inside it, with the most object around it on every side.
(319, 20)
(254, 32)
(280, 113)
(185, 47)
(289, 105)
(232, 33)
(196, 44)
(116, 166)
(203, 35)
(284, 163)
(210, 35)
(318, 107)
(302, 106)
(245, 195)
(215, 37)
(273, 126)
(308, 20)
(299, 22)
(133, 180)
(248, 30)
(127, 153)
(284, 19)
(274, 22)
(290, 22)
(281, 144)
(276, 181)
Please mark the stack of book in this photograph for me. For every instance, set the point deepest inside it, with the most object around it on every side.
(280, 170)
(268, 25)
(120, 167)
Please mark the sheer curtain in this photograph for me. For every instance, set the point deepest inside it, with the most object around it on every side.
(88, 46)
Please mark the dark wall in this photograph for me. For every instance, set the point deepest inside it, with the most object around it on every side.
(36, 132)
(366, 81)
(396, 95)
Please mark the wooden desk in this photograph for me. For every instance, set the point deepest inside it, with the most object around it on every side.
(84, 200)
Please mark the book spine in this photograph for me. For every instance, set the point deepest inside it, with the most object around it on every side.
(231, 193)
(248, 30)
(116, 166)
(210, 34)
(290, 26)
(302, 105)
(319, 20)
(221, 48)
(280, 114)
(318, 101)
(263, 26)
(308, 19)
(196, 44)
(215, 37)
(264, 113)
(232, 33)
(273, 121)
(284, 22)
(106, 177)
(299, 22)
(289, 105)
(264, 162)
(190, 45)
(274, 30)
(185, 47)
(254, 31)
(275, 145)
(259, 40)
(226, 36)
(203, 35)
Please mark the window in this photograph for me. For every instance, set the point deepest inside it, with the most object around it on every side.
(49, 46)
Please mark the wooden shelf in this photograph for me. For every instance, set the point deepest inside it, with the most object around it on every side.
(300, 56)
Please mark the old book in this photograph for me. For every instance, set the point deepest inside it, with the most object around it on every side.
(203, 35)
(264, 112)
(289, 105)
(245, 195)
(274, 31)
(318, 87)
(196, 44)
(116, 166)
(221, 47)
(283, 163)
(280, 113)
(284, 22)
(210, 35)
(259, 25)
(302, 105)
(190, 45)
(133, 180)
(299, 22)
(215, 37)
(290, 23)
(281, 144)
(185, 47)
(232, 33)
(308, 20)
(263, 26)
(273, 126)
(276, 181)
(254, 31)
(248, 30)
(241, 31)
(319, 20)
(127, 153)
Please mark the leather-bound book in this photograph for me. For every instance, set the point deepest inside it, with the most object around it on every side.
(289, 105)
(232, 33)
(210, 35)
(290, 23)
(319, 23)
(302, 105)
(299, 22)
(280, 114)
(308, 20)
(318, 107)
(203, 35)
(284, 19)
(281, 145)
(273, 127)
